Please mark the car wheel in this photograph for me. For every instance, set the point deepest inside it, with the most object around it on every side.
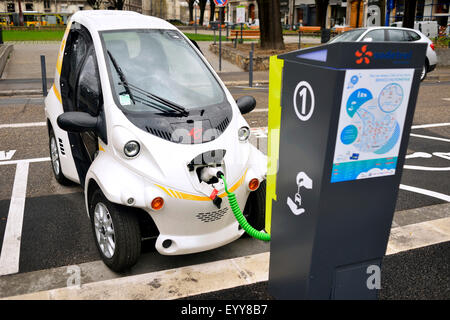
(116, 232)
(255, 208)
(423, 74)
(55, 160)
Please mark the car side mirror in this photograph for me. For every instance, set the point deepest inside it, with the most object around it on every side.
(368, 39)
(76, 121)
(246, 104)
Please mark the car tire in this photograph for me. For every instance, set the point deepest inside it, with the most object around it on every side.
(116, 232)
(424, 71)
(55, 160)
(255, 208)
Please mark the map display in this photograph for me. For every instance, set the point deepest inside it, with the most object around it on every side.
(371, 120)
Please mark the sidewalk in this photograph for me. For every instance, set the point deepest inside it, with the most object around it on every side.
(22, 75)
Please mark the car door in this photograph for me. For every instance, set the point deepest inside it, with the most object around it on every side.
(81, 91)
(396, 35)
(88, 98)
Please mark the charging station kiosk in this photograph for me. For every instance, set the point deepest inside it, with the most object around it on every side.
(340, 115)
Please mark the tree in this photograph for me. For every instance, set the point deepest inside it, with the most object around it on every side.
(321, 13)
(409, 14)
(191, 9)
(95, 4)
(270, 24)
(202, 4)
(212, 9)
(117, 4)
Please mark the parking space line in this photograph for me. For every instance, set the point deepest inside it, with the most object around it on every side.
(9, 257)
(430, 193)
(431, 125)
(2, 163)
(429, 137)
(426, 168)
(23, 125)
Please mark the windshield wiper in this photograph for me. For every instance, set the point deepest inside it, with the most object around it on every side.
(167, 103)
(122, 77)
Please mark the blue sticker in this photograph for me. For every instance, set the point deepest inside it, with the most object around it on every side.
(349, 134)
(357, 99)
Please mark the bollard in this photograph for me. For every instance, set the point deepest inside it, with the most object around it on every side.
(214, 36)
(1, 35)
(250, 67)
(44, 76)
(242, 31)
(236, 40)
(299, 38)
(220, 46)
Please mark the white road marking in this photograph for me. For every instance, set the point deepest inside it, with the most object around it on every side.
(418, 155)
(23, 125)
(6, 155)
(24, 161)
(426, 192)
(446, 99)
(9, 258)
(426, 168)
(431, 125)
(444, 155)
(429, 137)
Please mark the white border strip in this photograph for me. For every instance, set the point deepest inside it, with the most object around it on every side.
(23, 125)
(429, 193)
(10, 254)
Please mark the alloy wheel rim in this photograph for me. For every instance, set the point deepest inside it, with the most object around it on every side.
(54, 155)
(424, 72)
(104, 230)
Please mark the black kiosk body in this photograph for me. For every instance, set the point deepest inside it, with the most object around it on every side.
(346, 114)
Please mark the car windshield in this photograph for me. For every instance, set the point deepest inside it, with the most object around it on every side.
(158, 70)
(349, 36)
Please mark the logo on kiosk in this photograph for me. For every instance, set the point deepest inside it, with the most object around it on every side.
(304, 100)
(363, 55)
(303, 181)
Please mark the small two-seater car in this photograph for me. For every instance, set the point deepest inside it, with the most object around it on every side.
(141, 121)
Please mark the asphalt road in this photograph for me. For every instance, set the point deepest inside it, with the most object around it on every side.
(56, 231)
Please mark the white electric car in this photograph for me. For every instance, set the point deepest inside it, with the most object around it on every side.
(139, 118)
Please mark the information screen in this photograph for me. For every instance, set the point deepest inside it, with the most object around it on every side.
(371, 121)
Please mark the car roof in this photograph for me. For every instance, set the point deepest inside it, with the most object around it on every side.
(384, 27)
(102, 20)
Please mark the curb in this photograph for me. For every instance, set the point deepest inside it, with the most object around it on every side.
(22, 92)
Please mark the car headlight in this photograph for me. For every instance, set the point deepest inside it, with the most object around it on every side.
(131, 148)
(243, 133)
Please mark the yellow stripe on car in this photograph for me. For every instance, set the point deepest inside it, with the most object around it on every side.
(188, 196)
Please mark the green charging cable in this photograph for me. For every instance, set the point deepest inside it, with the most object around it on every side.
(240, 217)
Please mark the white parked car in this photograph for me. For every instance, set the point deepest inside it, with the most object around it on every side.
(139, 118)
(392, 34)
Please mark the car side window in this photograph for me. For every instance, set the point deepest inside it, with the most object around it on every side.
(88, 86)
(411, 36)
(375, 35)
(78, 50)
(396, 35)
